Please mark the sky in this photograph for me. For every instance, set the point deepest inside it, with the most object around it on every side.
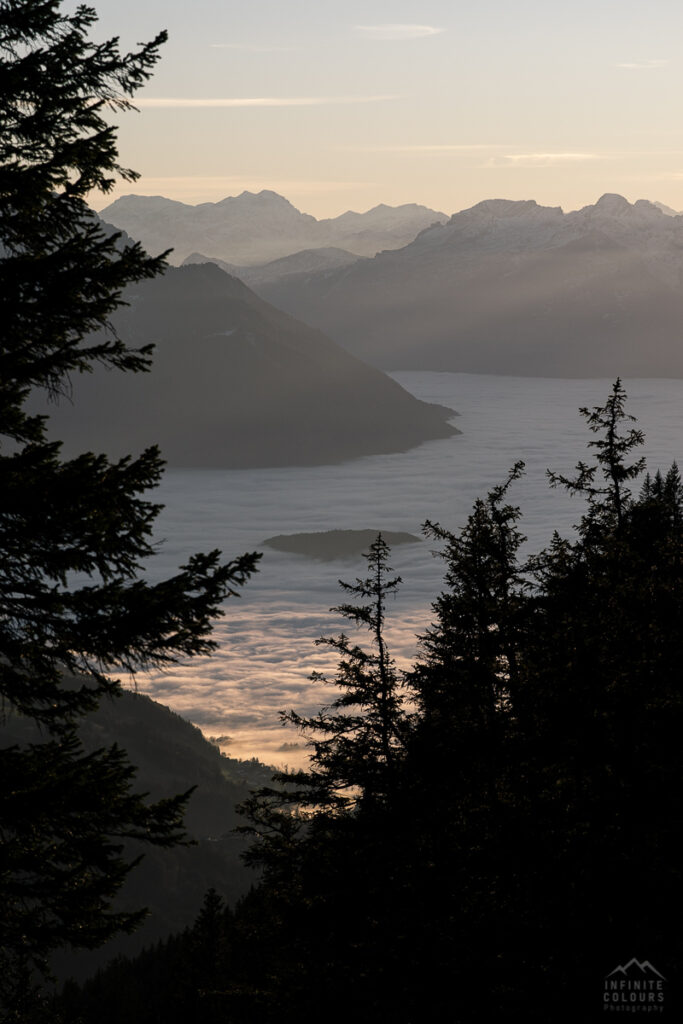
(344, 105)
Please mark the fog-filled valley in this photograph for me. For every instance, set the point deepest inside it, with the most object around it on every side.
(267, 636)
(341, 513)
(272, 431)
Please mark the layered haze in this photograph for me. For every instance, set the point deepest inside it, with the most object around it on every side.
(512, 287)
(310, 460)
(266, 638)
(503, 287)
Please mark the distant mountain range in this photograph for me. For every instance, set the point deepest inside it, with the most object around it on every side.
(258, 227)
(237, 383)
(512, 287)
(308, 261)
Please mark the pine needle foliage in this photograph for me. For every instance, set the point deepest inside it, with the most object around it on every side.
(74, 533)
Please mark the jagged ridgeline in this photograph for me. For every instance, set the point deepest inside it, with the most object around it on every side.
(258, 227)
(515, 288)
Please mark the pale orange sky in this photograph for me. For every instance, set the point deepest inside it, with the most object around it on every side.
(345, 105)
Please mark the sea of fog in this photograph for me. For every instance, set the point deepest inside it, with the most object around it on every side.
(266, 638)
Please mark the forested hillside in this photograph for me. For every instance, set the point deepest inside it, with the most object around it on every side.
(170, 756)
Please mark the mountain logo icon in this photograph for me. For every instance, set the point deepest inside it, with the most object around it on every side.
(635, 969)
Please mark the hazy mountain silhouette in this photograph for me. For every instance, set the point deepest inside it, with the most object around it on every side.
(255, 228)
(308, 261)
(237, 383)
(513, 287)
(668, 210)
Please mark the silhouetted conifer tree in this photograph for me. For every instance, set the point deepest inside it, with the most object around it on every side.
(457, 788)
(602, 674)
(63, 815)
(325, 835)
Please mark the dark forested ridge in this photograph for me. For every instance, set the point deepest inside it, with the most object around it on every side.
(495, 834)
(236, 383)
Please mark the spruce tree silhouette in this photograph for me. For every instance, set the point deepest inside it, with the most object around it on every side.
(73, 534)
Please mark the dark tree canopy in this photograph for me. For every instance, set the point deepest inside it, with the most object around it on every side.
(62, 275)
(529, 843)
(357, 738)
(73, 534)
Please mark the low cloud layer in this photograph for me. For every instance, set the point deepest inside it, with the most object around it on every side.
(266, 639)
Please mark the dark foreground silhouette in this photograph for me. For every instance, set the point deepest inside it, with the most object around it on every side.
(494, 835)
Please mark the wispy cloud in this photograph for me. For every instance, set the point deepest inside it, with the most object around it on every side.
(397, 31)
(251, 47)
(476, 147)
(180, 102)
(643, 65)
(548, 159)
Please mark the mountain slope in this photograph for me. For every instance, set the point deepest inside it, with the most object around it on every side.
(256, 228)
(171, 756)
(236, 383)
(512, 287)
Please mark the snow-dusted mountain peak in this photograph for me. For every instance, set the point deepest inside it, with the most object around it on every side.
(258, 227)
(514, 287)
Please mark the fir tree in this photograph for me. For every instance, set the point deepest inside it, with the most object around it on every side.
(325, 834)
(602, 678)
(606, 503)
(74, 533)
(358, 738)
(459, 794)
(469, 672)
